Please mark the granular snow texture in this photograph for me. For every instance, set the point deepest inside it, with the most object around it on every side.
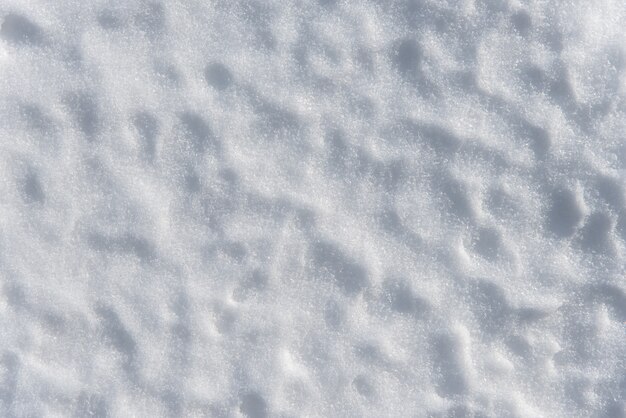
(313, 208)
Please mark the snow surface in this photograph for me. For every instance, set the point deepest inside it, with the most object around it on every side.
(322, 208)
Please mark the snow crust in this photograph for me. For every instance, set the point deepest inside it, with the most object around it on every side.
(313, 208)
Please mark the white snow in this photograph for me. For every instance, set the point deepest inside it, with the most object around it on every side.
(313, 208)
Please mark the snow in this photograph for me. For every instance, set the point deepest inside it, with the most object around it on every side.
(313, 208)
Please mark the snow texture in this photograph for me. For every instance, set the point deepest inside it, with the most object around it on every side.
(313, 208)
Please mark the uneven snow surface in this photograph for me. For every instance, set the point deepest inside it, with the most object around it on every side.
(323, 208)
